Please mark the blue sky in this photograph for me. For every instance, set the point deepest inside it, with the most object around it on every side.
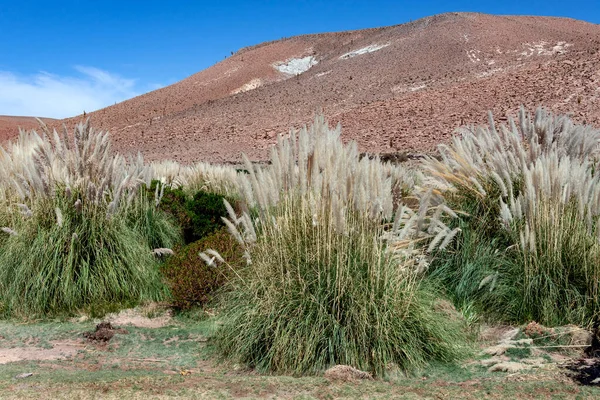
(59, 58)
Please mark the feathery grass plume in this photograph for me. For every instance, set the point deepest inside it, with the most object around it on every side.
(332, 277)
(59, 217)
(219, 179)
(24, 210)
(315, 160)
(530, 198)
(8, 231)
(162, 251)
(77, 246)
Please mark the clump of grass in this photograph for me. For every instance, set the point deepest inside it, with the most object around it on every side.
(561, 266)
(72, 244)
(147, 217)
(83, 260)
(327, 281)
(313, 297)
(529, 201)
(478, 272)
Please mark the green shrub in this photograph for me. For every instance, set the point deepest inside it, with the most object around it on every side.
(314, 296)
(192, 282)
(198, 216)
(172, 201)
(207, 210)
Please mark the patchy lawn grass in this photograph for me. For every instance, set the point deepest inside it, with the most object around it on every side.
(176, 361)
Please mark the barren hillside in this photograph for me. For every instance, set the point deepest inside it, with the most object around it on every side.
(9, 126)
(398, 88)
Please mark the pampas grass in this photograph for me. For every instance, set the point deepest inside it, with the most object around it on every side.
(218, 179)
(87, 261)
(531, 191)
(333, 274)
(85, 232)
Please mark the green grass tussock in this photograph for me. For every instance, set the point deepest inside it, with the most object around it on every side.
(561, 261)
(80, 232)
(313, 297)
(529, 198)
(159, 228)
(327, 281)
(85, 261)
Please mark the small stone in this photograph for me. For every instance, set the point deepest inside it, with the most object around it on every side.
(346, 373)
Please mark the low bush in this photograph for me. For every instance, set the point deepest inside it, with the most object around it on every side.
(206, 210)
(197, 216)
(191, 281)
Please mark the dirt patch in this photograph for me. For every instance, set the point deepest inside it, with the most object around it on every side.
(103, 333)
(59, 351)
(497, 333)
(152, 316)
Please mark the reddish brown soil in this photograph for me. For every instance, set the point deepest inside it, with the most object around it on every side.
(9, 126)
(436, 74)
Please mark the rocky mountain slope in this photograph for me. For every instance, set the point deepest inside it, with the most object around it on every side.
(394, 89)
(9, 126)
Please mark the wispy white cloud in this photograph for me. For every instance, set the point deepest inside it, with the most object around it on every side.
(50, 95)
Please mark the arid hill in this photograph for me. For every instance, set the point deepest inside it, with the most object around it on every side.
(9, 126)
(398, 88)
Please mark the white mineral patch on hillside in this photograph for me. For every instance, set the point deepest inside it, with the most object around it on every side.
(491, 72)
(253, 84)
(320, 74)
(417, 88)
(473, 55)
(369, 49)
(405, 88)
(543, 48)
(296, 66)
